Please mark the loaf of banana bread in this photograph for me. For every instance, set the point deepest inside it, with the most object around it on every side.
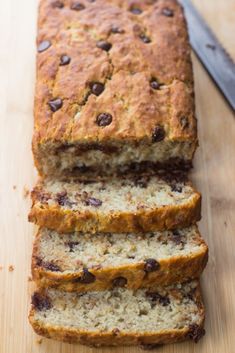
(82, 262)
(114, 90)
(120, 316)
(118, 205)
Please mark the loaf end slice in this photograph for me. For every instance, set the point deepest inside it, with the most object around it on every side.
(115, 205)
(129, 74)
(82, 262)
(120, 316)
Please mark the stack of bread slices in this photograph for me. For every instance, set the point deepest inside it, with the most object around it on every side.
(118, 255)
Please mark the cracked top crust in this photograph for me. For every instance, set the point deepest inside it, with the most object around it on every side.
(138, 51)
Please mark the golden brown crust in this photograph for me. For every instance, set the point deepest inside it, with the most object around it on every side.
(176, 269)
(162, 218)
(115, 338)
(125, 70)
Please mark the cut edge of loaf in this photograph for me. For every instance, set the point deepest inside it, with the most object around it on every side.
(87, 218)
(164, 270)
(115, 336)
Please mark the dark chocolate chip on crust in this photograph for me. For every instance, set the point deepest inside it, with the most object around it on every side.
(119, 282)
(104, 119)
(64, 60)
(104, 45)
(195, 332)
(77, 6)
(86, 277)
(41, 302)
(151, 265)
(58, 4)
(55, 104)
(44, 45)
(97, 88)
(155, 84)
(116, 30)
(135, 10)
(155, 298)
(158, 134)
(168, 12)
(145, 38)
(115, 331)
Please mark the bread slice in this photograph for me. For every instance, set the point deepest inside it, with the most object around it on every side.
(115, 205)
(113, 90)
(82, 262)
(120, 316)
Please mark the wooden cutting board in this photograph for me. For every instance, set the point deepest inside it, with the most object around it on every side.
(214, 175)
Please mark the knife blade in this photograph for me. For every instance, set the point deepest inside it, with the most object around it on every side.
(213, 56)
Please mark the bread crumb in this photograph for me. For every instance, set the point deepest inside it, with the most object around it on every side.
(25, 192)
(30, 279)
(11, 268)
(39, 341)
(14, 187)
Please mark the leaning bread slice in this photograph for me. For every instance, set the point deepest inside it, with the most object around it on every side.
(82, 262)
(115, 205)
(120, 316)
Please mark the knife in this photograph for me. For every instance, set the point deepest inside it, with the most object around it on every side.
(210, 52)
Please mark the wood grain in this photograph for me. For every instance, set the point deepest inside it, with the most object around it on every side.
(214, 175)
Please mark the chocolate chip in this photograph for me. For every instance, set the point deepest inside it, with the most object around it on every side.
(51, 267)
(55, 104)
(149, 347)
(120, 282)
(86, 278)
(104, 119)
(64, 60)
(41, 302)
(154, 84)
(77, 6)
(71, 245)
(58, 4)
(168, 12)
(136, 10)
(158, 134)
(47, 265)
(97, 88)
(155, 298)
(44, 46)
(184, 122)
(195, 332)
(62, 198)
(44, 197)
(102, 44)
(151, 265)
(176, 188)
(144, 38)
(115, 30)
(176, 237)
(91, 201)
(115, 331)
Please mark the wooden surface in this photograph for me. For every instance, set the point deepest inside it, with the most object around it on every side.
(214, 175)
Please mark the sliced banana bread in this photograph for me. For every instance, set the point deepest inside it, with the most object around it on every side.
(120, 316)
(115, 205)
(82, 262)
